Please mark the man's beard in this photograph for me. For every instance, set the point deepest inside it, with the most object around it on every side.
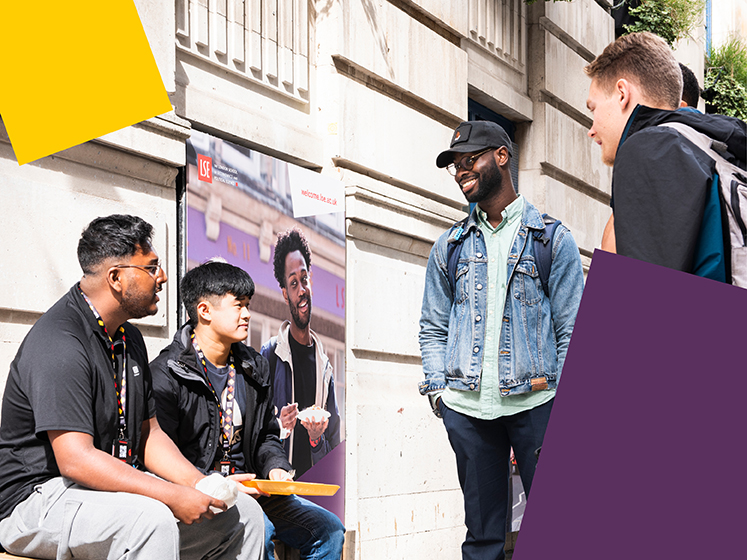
(299, 321)
(138, 304)
(489, 181)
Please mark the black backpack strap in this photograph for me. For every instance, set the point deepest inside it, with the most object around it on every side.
(454, 251)
(543, 240)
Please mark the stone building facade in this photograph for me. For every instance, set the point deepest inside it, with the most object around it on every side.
(368, 91)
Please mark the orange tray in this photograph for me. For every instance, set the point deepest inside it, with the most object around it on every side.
(284, 488)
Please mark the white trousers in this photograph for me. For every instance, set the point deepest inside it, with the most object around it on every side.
(62, 520)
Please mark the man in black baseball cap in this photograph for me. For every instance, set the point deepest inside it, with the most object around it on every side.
(491, 373)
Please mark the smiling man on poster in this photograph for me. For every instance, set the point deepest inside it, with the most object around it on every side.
(302, 372)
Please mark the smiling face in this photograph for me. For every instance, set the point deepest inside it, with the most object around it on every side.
(229, 317)
(482, 181)
(610, 117)
(139, 286)
(297, 291)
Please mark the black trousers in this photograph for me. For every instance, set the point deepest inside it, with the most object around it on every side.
(482, 450)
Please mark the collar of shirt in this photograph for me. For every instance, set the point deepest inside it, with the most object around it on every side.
(509, 215)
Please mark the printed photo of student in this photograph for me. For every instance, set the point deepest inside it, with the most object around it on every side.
(302, 374)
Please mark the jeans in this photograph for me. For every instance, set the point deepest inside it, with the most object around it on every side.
(482, 450)
(301, 524)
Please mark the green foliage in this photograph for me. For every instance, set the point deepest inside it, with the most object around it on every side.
(724, 95)
(669, 19)
(732, 57)
(726, 79)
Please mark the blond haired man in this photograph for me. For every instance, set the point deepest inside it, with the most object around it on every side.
(665, 202)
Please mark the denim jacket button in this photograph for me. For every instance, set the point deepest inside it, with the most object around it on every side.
(478, 318)
(472, 386)
(479, 286)
(479, 255)
(476, 349)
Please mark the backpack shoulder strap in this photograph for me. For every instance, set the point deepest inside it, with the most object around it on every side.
(543, 240)
(712, 147)
(454, 250)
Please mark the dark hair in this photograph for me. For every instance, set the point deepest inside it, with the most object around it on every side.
(289, 241)
(112, 236)
(213, 279)
(690, 87)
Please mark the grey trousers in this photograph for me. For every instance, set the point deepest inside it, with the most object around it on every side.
(62, 520)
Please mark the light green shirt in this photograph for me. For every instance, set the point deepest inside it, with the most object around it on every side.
(487, 403)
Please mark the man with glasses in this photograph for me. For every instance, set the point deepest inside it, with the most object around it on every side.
(79, 427)
(492, 340)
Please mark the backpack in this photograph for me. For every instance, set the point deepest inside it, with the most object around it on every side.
(731, 184)
(542, 240)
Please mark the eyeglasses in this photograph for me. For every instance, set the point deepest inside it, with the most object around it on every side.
(152, 269)
(466, 163)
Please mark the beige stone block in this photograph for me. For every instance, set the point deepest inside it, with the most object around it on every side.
(497, 85)
(411, 443)
(392, 45)
(584, 216)
(158, 19)
(564, 74)
(392, 325)
(585, 21)
(433, 545)
(250, 112)
(13, 328)
(451, 14)
(406, 515)
(381, 134)
(53, 201)
(395, 224)
(570, 150)
(160, 138)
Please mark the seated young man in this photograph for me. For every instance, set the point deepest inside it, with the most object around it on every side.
(214, 399)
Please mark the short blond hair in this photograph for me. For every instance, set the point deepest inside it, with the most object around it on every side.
(644, 59)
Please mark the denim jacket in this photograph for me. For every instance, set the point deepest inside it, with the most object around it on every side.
(535, 330)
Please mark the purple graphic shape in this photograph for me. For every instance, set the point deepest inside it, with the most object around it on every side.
(329, 470)
(242, 250)
(644, 453)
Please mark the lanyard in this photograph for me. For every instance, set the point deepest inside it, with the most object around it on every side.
(117, 348)
(226, 416)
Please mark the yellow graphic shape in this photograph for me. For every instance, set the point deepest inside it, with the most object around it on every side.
(73, 71)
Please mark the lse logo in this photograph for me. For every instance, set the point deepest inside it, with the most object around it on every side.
(204, 168)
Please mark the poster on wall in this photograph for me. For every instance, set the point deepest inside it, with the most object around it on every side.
(284, 225)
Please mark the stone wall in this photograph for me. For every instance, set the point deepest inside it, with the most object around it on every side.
(365, 90)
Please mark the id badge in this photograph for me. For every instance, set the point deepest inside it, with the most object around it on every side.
(224, 467)
(121, 450)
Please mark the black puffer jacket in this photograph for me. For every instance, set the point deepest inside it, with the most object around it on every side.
(660, 181)
(188, 412)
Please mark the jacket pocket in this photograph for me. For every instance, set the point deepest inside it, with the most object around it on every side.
(526, 284)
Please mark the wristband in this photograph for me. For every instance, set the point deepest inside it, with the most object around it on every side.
(315, 442)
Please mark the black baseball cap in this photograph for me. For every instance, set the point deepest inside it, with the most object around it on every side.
(473, 136)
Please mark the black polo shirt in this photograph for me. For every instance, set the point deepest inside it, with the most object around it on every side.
(62, 378)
